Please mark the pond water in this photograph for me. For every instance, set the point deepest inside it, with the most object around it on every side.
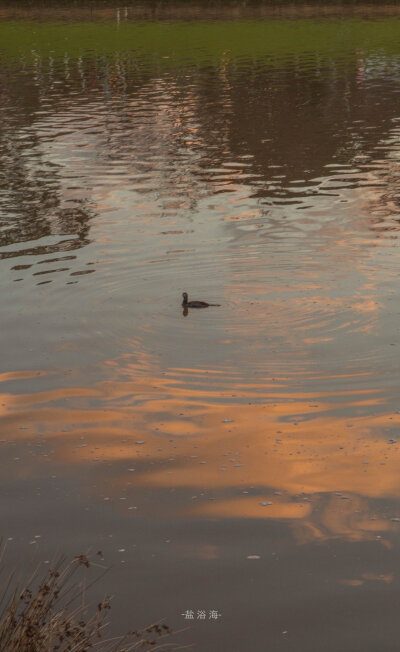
(242, 459)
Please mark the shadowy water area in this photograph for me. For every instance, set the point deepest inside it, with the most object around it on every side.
(241, 461)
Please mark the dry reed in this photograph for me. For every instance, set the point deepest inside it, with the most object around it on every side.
(50, 614)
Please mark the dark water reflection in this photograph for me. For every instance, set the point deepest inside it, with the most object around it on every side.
(269, 426)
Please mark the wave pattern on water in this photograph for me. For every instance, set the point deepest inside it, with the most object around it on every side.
(257, 169)
(267, 184)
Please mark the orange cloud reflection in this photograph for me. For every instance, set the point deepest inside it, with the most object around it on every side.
(294, 451)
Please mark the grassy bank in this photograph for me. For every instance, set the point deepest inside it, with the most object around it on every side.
(200, 41)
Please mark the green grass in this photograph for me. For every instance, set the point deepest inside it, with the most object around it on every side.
(201, 41)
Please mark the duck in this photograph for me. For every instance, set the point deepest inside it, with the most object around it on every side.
(196, 304)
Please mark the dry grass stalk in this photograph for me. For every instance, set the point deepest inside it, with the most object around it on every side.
(50, 615)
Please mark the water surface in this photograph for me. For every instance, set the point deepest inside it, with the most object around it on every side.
(245, 458)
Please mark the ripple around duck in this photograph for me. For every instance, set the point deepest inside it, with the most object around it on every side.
(285, 382)
(175, 187)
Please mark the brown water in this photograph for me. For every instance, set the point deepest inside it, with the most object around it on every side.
(244, 458)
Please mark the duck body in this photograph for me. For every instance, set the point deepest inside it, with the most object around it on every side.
(195, 304)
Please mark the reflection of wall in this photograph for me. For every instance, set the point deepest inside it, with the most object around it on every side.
(32, 205)
(285, 121)
(296, 116)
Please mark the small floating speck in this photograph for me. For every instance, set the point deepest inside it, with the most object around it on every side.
(140, 441)
(227, 420)
(253, 557)
(121, 550)
(264, 503)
